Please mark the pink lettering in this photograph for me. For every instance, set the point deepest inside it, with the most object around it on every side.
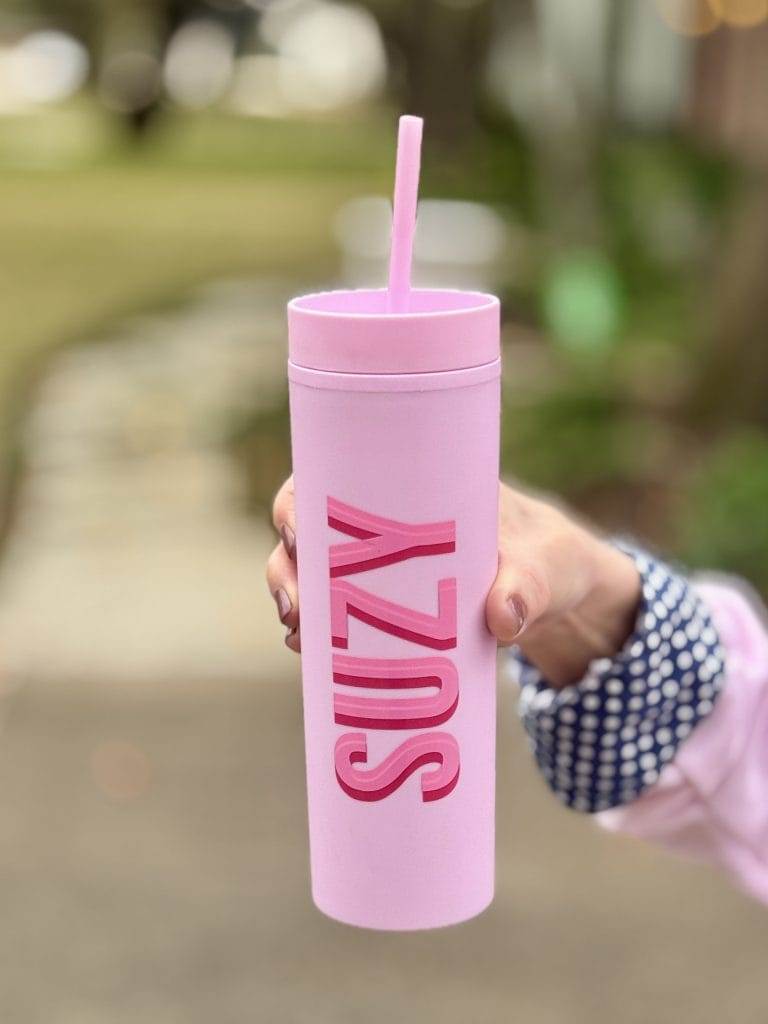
(438, 631)
(380, 712)
(382, 541)
(438, 748)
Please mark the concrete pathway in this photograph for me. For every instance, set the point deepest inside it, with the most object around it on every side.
(131, 561)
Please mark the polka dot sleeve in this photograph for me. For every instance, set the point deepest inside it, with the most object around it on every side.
(603, 741)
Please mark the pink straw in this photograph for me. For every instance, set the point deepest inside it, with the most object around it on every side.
(404, 212)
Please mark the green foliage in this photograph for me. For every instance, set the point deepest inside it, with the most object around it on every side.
(663, 200)
(571, 440)
(261, 442)
(723, 515)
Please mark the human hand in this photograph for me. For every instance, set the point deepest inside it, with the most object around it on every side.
(563, 593)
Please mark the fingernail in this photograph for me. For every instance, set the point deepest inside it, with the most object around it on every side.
(518, 613)
(290, 635)
(289, 539)
(283, 603)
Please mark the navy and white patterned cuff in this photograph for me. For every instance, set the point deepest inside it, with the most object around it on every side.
(603, 741)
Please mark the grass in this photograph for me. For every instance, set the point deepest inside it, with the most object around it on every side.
(94, 229)
(81, 248)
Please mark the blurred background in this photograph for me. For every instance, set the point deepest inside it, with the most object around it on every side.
(171, 171)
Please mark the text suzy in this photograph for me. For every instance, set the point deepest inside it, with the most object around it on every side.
(380, 542)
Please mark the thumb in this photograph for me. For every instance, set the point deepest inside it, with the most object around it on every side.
(520, 595)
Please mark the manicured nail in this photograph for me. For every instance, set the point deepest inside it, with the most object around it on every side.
(283, 603)
(290, 635)
(518, 613)
(289, 539)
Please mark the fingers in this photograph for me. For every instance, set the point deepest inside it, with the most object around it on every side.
(283, 585)
(281, 566)
(284, 516)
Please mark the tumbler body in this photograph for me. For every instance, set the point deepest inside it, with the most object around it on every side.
(396, 480)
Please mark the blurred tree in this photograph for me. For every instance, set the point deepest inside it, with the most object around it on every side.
(133, 37)
(721, 520)
(733, 382)
(437, 49)
(75, 16)
(730, 92)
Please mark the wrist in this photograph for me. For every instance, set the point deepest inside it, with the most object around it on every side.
(563, 646)
(605, 741)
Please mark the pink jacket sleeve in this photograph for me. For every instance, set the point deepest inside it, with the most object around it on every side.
(711, 802)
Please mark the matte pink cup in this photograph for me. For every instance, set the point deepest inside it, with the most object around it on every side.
(395, 430)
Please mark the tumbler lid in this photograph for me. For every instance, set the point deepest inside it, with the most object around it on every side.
(353, 331)
(399, 329)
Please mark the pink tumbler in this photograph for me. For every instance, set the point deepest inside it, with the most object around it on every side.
(395, 425)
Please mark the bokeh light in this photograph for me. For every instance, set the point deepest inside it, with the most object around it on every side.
(582, 302)
(121, 770)
(688, 17)
(199, 63)
(362, 227)
(456, 231)
(741, 13)
(456, 241)
(46, 67)
(330, 54)
(256, 88)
